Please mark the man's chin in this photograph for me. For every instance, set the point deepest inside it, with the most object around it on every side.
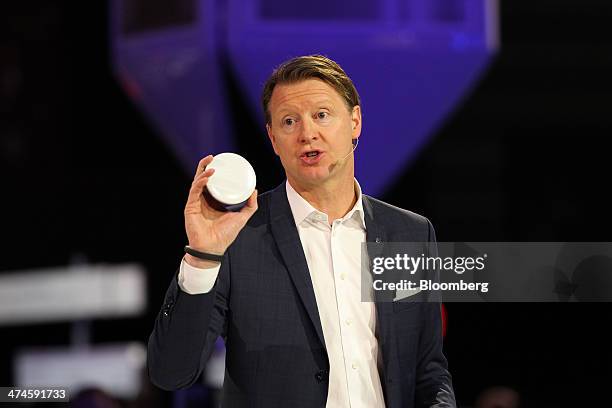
(313, 178)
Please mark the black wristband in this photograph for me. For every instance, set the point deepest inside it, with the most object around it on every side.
(203, 255)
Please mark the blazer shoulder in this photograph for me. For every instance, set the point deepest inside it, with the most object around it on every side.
(397, 218)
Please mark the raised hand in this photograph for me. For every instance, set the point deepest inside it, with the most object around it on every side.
(209, 229)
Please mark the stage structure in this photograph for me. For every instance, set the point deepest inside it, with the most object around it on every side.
(412, 61)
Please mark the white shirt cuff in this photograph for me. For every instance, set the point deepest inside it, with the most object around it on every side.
(195, 281)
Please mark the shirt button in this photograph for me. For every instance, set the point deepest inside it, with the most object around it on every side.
(348, 322)
(354, 365)
(343, 276)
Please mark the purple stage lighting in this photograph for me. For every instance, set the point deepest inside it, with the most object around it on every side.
(411, 60)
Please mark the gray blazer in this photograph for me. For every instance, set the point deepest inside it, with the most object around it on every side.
(263, 304)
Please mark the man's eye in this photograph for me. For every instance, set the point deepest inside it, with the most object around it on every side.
(322, 115)
(289, 122)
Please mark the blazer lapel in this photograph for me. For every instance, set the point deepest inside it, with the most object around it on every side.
(286, 235)
(375, 234)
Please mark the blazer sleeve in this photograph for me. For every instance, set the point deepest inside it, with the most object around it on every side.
(433, 383)
(185, 332)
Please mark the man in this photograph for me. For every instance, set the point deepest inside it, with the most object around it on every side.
(286, 296)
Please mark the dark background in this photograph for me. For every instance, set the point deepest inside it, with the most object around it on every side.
(524, 158)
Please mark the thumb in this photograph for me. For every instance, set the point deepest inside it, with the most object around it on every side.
(251, 205)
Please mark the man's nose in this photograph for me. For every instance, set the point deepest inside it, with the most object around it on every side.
(309, 131)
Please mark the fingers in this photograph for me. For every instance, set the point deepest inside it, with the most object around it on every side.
(200, 178)
(205, 174)
(202, 164)
(198, 184)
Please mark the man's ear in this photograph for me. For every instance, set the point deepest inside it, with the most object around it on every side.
(271, 137)
(356, 122)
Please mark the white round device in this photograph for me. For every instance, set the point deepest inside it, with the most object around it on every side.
(233, 181)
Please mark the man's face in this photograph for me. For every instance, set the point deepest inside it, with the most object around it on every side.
(311, 131)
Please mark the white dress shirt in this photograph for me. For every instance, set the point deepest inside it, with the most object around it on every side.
(333, 254)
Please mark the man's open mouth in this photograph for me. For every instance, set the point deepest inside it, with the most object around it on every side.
(313, 153)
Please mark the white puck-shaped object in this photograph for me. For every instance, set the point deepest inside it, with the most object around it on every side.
(233, 181)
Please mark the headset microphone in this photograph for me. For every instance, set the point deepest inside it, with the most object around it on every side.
(355, 142)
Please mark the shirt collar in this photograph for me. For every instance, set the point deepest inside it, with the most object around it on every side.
(302, 209)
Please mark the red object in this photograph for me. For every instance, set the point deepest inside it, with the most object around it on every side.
(444, 321)
(130, 87)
